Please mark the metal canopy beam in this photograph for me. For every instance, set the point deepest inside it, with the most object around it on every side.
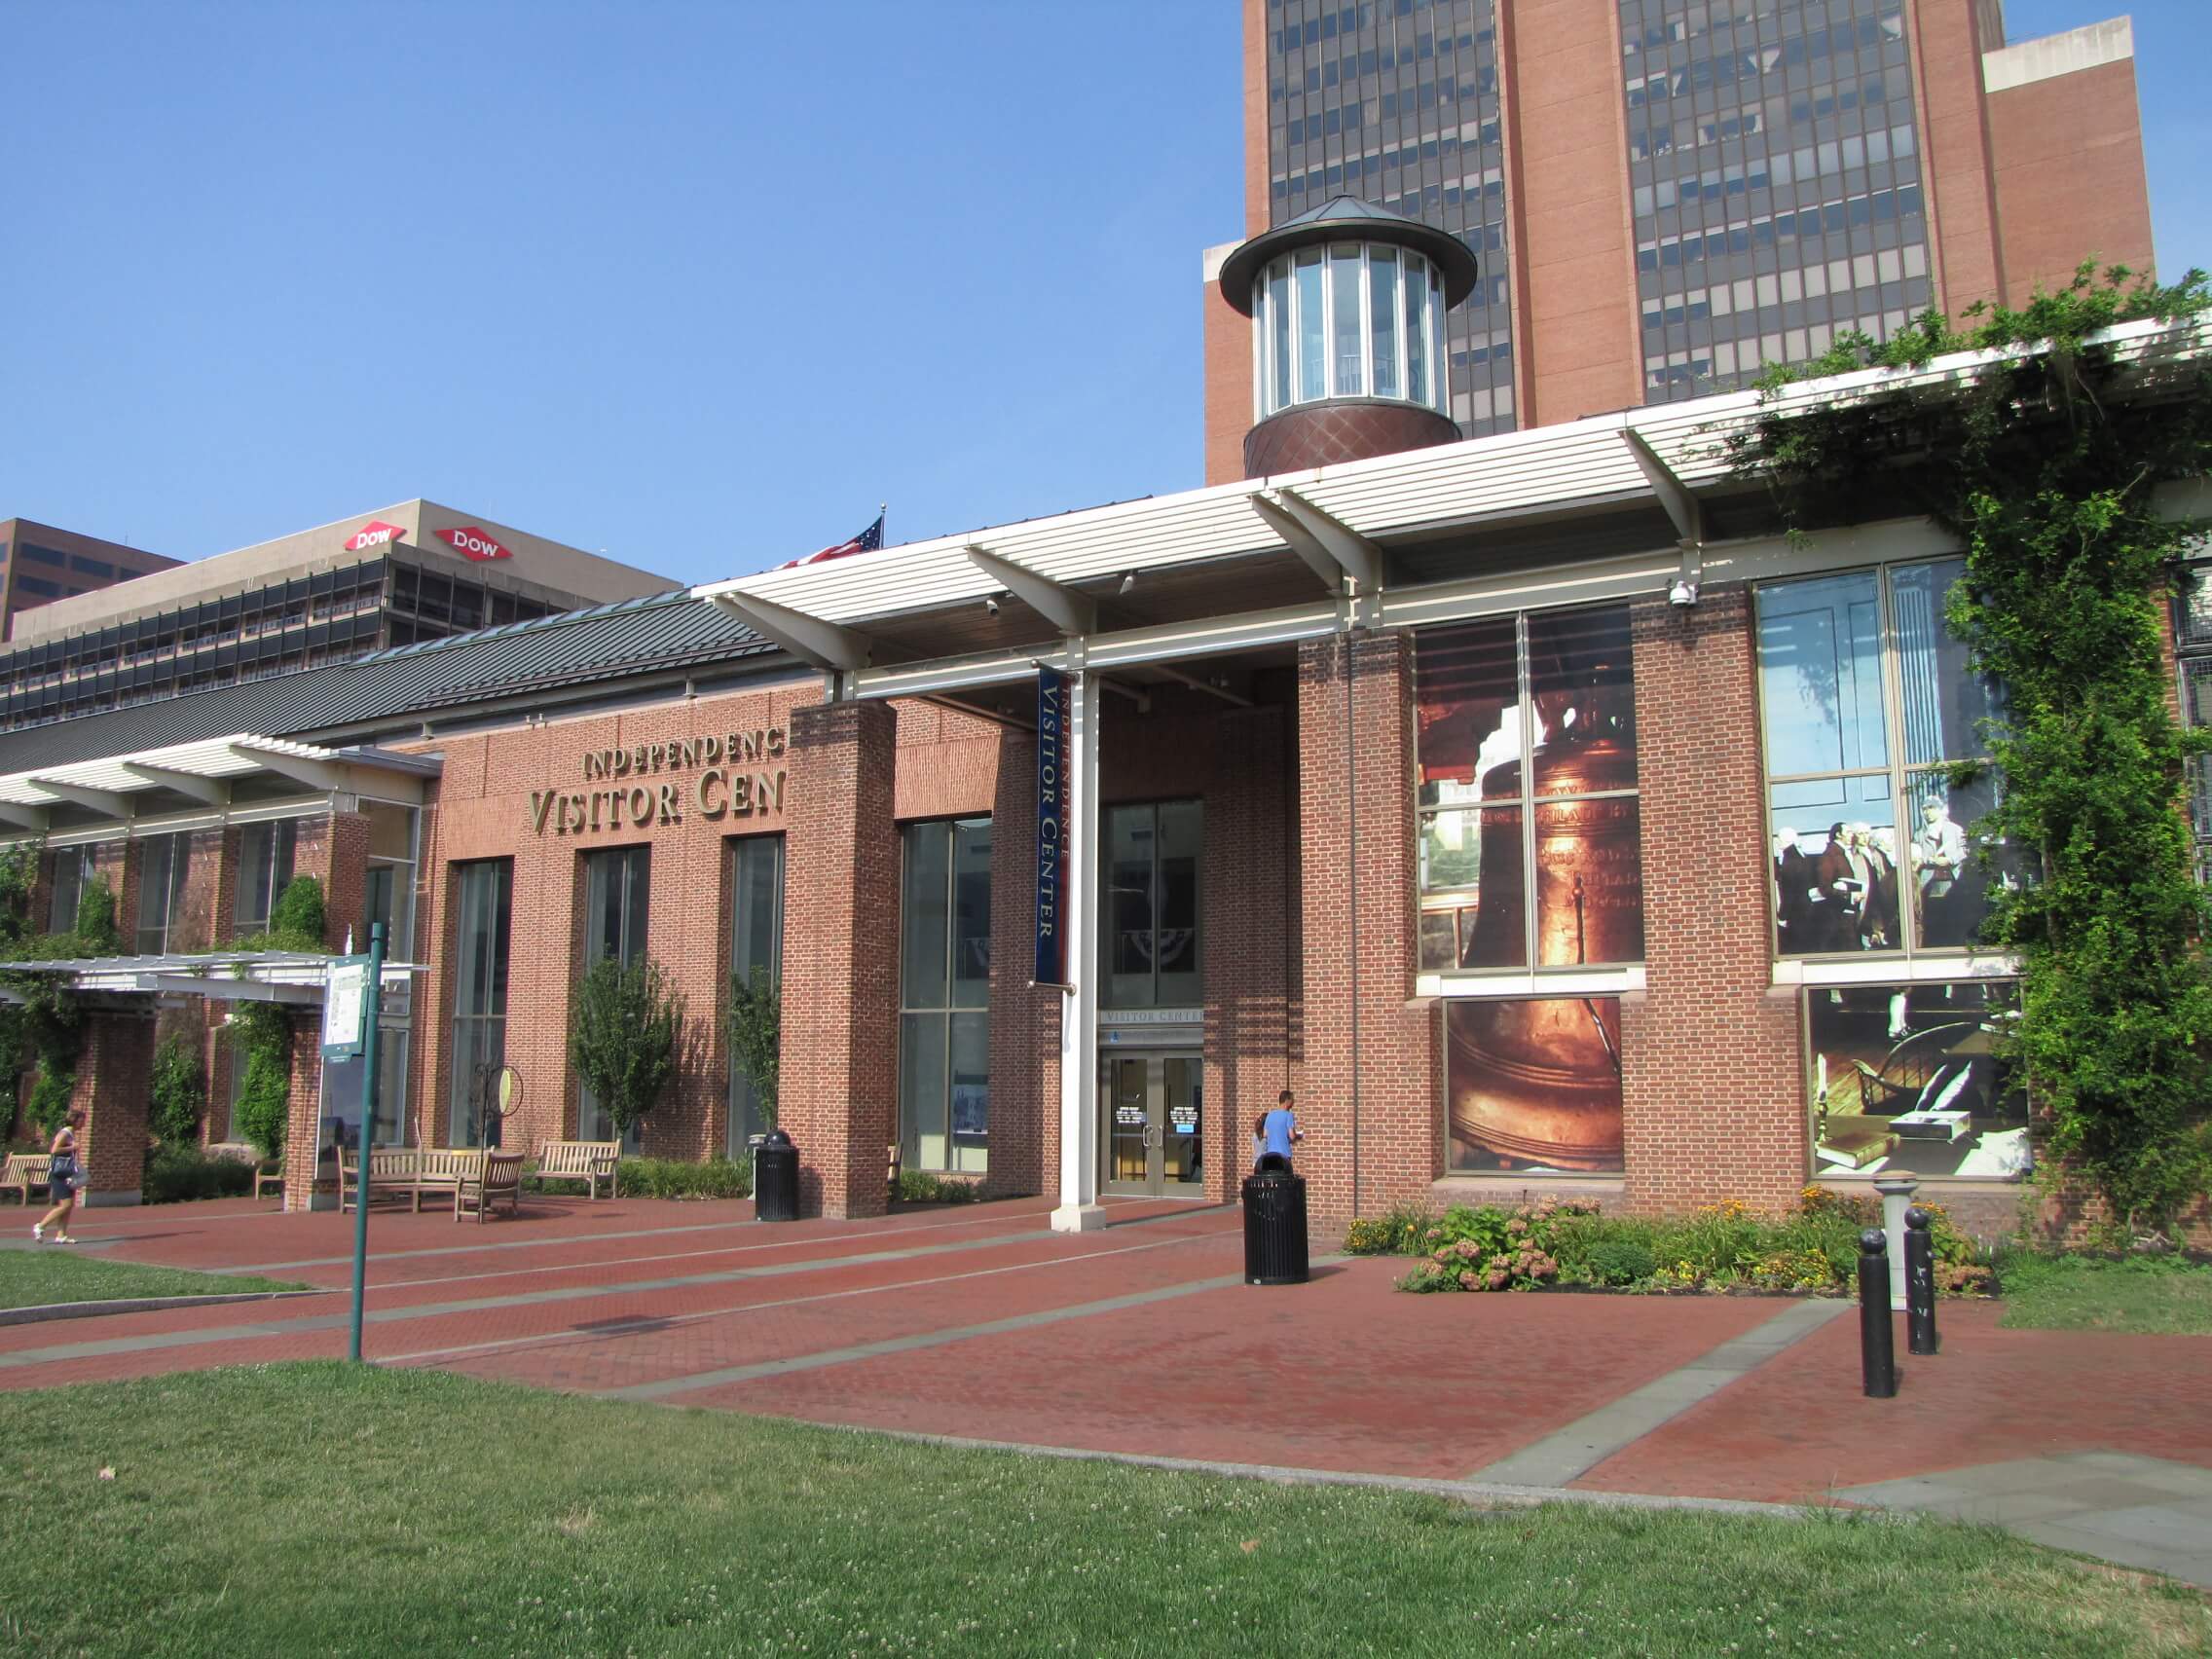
(231, 990)
(22, 817)
(1678, 498)
(1334, 550)
(212, 790)
(106, 801)
(1068, 610)
(316, 774)
(825, 645)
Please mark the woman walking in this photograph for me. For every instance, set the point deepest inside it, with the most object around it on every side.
(62, 1182)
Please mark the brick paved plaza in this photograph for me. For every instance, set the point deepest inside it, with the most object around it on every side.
(980, 1323)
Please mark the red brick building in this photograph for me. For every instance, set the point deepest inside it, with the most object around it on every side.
(1529, 805)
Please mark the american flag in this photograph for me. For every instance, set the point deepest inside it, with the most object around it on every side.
(867, 541)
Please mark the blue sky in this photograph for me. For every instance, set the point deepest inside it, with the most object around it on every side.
(698, 285)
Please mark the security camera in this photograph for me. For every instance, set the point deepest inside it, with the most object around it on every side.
(992, 605)
(1682, 592)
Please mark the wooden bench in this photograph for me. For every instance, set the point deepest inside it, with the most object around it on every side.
(24, 1170)
(588, 1162)
(264, 1179)
(497, 1176)
(410, 1169)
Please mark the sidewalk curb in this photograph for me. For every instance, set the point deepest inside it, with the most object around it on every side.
(1493, 1495)
(143, 1304)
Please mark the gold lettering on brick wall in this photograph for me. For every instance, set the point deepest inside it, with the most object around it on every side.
(717, 788)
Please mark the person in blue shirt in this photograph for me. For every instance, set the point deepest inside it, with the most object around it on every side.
(1279, 1130)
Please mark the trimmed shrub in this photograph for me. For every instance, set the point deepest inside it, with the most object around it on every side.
(674, 1178)
(921, 1187)
(179, 1175)
(1621, 1261)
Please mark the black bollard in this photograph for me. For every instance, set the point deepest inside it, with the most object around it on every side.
(1877, 1344)
(1919, 1283)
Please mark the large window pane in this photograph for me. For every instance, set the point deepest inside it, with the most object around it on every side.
(1821, 674)
(1418, 332)
(756, 943)
(1131, 913)
(972, 915)
(1312, 324)
(480, 998)
(72, 870)
(1279, 353)
(1534, 1085)
(617, 896)
(1581, 684)
(1941, 705)
(1909, 1074)
(1467, 687)
(266, 852)
(1382, 287)
(164, 868)
(924, 930)
(1473, 912)
(970, 1104)
(922, 1092)
(1835, 864)
(1951, 881)
(1589, 882)
(1344, 322)
(944, 1055)
(1176, 949)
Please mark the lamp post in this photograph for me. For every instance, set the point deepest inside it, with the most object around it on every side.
(372, 1001)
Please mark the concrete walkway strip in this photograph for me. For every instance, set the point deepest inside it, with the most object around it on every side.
(672, 1385)
(143, 1304)
(488, 1304)
(1582, 1445)
(1487, 1495)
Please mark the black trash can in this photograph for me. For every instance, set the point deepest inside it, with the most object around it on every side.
(775, 1178)
(1275, 1224)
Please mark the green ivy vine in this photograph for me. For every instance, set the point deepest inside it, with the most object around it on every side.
(2044, 463)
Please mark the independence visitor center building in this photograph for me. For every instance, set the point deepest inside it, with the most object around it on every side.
(1530, 805)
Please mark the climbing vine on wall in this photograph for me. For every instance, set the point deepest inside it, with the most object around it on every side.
(2046, 464)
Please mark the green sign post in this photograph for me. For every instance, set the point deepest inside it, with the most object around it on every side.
(352, 1004)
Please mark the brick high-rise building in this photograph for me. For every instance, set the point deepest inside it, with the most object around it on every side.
(1666, 195)
(40, 563)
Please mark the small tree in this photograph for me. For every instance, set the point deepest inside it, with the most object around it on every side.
(754, 1031)
(177, 1091)
(623, 1027)
(297, 921)
(96, 931)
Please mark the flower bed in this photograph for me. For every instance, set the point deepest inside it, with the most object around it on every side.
(1718, 1248)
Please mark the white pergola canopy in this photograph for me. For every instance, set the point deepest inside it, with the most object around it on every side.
(221, 976)
(206, 774)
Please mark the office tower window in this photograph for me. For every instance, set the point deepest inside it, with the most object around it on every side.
(1774, 169)
(1151, 938)
(265, 870)
(484, 894)
(944, 994)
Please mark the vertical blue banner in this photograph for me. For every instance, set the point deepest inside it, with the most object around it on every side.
(1051, 827)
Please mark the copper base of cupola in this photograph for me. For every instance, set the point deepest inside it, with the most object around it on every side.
(1322, 434)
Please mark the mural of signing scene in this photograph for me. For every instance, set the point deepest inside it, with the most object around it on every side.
(1869, 708)
(1530, 859)
(1907, 1077)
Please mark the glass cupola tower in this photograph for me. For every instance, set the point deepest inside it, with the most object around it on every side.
(1348, 304)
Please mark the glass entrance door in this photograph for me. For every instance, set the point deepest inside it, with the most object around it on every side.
(1154, 1126)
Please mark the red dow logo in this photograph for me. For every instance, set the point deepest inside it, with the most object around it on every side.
(472, 543)
(375, 533)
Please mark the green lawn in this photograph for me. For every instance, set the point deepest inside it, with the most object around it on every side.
(314, 1509)
(57, 1273)
(2079, 1293)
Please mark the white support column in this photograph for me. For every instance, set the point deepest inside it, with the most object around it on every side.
(1080, 1210)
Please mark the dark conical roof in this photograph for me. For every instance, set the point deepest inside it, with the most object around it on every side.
(1346, 218)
